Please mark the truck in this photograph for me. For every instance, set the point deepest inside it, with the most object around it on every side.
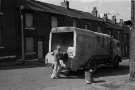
(84, 48)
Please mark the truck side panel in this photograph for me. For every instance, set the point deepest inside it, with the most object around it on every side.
(84, 48)
(89, 45)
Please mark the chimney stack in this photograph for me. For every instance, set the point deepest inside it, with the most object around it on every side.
(121, 22)
(114, 20)
(65, 4)
(105, 17)
(94, 11)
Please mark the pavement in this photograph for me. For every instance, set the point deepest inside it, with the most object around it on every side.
(38, 78)
(119, 83)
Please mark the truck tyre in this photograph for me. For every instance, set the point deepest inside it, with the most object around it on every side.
(91, 64)
(94, 65)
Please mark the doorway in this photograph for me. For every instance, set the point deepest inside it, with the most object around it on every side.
(40, 50)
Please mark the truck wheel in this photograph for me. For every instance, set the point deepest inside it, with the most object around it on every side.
(93, 65)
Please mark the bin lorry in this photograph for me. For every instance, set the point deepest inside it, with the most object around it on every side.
(84, 48)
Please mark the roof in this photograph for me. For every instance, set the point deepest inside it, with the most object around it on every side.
(72, 29)
(54, 9)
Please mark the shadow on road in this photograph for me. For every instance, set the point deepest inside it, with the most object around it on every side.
(102, 72)
(110, 71)
(72, 75)
(13, 65)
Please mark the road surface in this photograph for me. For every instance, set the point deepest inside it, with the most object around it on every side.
(38, 78)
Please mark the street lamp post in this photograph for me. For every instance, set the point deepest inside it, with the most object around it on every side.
(132, 43)
(22, 33)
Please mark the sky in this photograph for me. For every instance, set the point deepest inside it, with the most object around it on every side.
(120, 8)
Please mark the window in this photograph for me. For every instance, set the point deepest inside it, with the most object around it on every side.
(106, 42)
(54, 21)
(85, 26)
(29, 45)
(0, 5)
(98, 39)
(1, 35)
(99, 29)
(103, 42)
(74, 23)
(28, 20)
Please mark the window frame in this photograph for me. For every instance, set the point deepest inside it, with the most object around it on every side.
(31, 27)
(1, 35)
(1, 12)
(0, 5)
(99, 29)
(54, 21)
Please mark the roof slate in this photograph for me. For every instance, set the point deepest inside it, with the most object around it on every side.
(54, 9)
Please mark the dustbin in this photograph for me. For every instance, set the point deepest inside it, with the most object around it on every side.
(89, 76)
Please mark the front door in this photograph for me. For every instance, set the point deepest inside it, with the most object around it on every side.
(30, 52)
(40, 49)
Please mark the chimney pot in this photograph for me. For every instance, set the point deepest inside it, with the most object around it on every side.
(105, 17)
(121, 22)
(114, 20)
(65, 4)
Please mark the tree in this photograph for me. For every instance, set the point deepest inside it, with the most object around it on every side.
(132, 43)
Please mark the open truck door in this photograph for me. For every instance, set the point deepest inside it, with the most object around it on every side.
(65, 38)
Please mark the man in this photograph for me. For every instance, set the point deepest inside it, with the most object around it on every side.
(116, 50)
(57, 66)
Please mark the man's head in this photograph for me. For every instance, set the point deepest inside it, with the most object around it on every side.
(58, 47)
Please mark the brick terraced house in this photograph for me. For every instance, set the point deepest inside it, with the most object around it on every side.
(25, 26)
